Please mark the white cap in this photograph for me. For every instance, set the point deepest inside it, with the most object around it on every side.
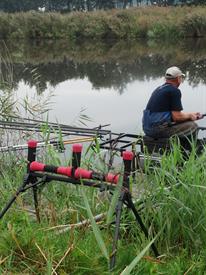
(173, 72)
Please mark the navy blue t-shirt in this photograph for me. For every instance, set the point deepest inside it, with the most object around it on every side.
(165, 98)
(163, 101)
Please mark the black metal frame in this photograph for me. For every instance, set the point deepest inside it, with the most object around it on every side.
(119, 142)
(126, 198)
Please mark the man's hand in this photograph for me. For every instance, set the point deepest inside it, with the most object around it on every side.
(195, 116)
(179, 116)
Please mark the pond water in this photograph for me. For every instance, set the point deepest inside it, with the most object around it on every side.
(108, 82)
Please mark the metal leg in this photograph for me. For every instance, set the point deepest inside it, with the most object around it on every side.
(36, 204)
(131, 205)
(12, 200)
(117, 229)
(23, 188)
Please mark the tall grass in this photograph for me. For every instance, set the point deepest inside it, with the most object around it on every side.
(150, 22)
(173, 203)
(177, 201)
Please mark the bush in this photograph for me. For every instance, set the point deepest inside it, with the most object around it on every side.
(155, 22)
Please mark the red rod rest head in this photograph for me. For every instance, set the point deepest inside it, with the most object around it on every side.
(112, 178)
(36, 166)
(77, 148)
(82, 173)
(67, 171)
(127, 155)
(32, 143)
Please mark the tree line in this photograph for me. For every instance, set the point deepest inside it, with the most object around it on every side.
(84, 5)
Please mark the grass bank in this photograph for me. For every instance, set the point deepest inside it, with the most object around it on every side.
(148, 22)
(172, 204)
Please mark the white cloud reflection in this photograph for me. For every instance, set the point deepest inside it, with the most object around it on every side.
(107, 106)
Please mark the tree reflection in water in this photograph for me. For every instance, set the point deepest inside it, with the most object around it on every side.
(106, 65)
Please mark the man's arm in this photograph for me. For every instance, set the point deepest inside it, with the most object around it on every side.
(178, 116)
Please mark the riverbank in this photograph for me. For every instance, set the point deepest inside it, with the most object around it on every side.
(147, 22)
(172, 208)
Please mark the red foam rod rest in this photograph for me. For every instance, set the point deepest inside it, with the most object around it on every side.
(37, 166)
(77, 148)
(32, 143)
(82, 173)
(127, 155)
(67, 171)
(112, 178)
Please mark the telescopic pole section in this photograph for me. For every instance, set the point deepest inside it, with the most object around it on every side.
(32, 144)
(127, 159)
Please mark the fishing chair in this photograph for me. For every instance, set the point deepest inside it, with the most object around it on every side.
(161, 146)
(155, 145)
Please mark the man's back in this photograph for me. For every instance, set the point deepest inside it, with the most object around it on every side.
(165, 98)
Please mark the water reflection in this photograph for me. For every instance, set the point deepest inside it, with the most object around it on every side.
(111, 65)
(89, 74)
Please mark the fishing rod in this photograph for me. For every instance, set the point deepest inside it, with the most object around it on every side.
(110, 140)
(43, 144)
(84, 138)
(64, 133)
(201, 116)
(9, 125)
(46, 123)
(35, 120)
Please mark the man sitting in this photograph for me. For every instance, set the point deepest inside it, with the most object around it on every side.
(163, 116)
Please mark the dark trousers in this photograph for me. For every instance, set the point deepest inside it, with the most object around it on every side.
(183, 129)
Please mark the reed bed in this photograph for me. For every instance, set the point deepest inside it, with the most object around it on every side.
(149, 22)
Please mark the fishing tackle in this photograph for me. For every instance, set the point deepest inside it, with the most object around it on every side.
(39, 173)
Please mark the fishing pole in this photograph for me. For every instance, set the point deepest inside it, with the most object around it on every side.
(63, 132)
(35, 120)
(43, 144)
(85, 138)
(34, 127)
(55, 127)
(62, 126)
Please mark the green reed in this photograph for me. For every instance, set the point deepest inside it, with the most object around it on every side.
(177, 188)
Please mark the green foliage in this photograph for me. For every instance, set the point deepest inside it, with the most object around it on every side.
(194, 25)
(172, 205)
(181, 205)
(152, 22)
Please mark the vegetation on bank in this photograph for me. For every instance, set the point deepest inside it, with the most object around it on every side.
(149, 22)
(173, 203)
